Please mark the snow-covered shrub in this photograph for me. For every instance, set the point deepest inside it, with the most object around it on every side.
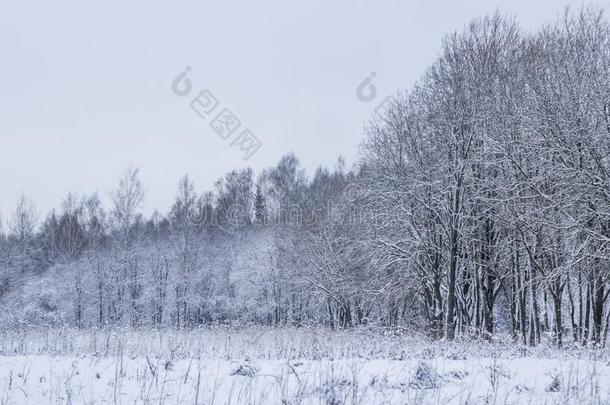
(425, 377)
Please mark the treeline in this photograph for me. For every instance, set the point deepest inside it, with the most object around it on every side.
(234, 254)
(480, 204)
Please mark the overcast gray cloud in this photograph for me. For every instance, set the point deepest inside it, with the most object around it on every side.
(85, 87)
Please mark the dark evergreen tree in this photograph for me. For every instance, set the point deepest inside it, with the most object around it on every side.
(260, 207)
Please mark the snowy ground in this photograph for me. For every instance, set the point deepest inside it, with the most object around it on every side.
(289, 366)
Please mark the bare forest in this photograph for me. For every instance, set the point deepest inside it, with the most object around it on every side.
(478, 211)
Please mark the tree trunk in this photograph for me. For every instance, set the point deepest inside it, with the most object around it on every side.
(452, 277)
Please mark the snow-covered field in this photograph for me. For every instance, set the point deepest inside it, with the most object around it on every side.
(289, 366)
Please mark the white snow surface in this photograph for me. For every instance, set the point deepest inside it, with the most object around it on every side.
(289, 366)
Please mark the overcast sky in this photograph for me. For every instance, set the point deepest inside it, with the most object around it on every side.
(85, 86)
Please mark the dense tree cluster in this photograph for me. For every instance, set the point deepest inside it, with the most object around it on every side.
(495, 176)
(481, 202)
